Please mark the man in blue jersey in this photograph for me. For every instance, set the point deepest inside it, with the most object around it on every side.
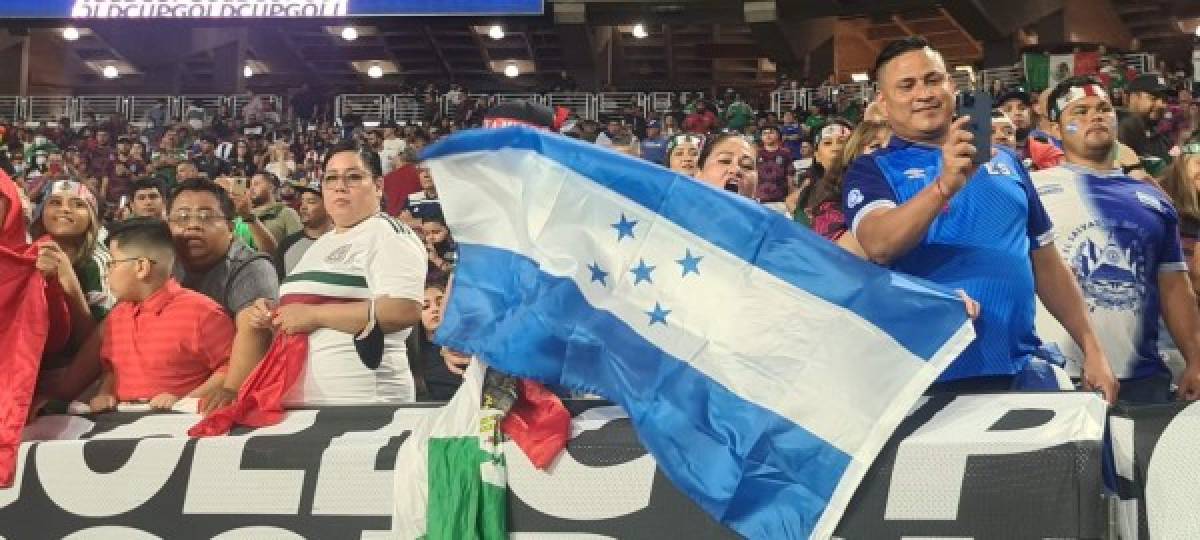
(922, 207)
(1120, 236)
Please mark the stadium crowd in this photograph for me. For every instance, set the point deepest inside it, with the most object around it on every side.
(174, 241)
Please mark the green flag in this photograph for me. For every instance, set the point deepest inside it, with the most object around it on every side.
(1037, 71)
(451, 480)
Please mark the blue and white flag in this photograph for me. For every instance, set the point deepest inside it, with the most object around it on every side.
(761, 365)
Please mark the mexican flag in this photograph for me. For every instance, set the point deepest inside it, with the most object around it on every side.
(1046, 71)
(451, 481)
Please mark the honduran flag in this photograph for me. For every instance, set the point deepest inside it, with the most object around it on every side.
(761, 365)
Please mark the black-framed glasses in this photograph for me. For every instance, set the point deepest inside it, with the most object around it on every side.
(203, 218)
(108, 265)
(348, 180)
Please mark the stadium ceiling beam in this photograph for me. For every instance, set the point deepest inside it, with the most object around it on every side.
(437, 51)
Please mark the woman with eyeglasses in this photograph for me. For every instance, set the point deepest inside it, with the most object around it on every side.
(356, 293)
(729, 162)
(66, 226)
(682, 153)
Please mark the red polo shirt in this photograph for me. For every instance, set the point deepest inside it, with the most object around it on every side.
(171, 342)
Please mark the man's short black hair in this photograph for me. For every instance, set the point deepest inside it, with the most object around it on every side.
(897, 48)
(149, 182)
(143, 233)
(1063, 87)
(344, 146)
(203, 185)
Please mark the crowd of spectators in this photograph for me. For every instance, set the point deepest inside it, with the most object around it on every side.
(198, 228)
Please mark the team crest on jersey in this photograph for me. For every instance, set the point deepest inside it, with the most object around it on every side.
(998, 169)
(1109, 268)
(338, 255)
(854, 198)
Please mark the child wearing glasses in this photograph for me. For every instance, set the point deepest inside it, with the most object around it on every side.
(162, 342)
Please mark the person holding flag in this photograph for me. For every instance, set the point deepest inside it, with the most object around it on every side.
(1120, 236)
(345, 312)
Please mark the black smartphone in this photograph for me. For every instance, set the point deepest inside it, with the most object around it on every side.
(977, 104)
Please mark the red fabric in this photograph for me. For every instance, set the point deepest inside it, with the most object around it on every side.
(1044, 154)
(260, 400)
(698, 122)
(1087, 63)
(171, 342)
(539, 424)
(398, 185)
(560, 117)
(12, 227)
(24, 340)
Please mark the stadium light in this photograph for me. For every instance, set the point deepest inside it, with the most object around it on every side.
(349, 33)
(511, 70)
(496, 32)
(70, 33)
(639, 31)
(375, 71)
(110, 72)
(860, 77)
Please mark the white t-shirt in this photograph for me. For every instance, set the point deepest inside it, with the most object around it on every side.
(391, 148)
(378, 257)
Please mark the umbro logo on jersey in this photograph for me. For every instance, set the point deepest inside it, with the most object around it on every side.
(914, 174)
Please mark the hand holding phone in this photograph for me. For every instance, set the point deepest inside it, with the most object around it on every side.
(977, 106)
(958, 158)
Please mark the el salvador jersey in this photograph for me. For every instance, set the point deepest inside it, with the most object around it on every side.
(980, 243)
(1117, 234)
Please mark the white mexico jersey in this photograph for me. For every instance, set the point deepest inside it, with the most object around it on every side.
(378, 257)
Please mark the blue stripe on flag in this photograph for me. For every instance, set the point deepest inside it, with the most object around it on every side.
(777, 245)
(762, 474)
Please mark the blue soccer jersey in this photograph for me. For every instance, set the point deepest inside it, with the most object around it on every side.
(980, 244)
(792, 137)
(1117, 235)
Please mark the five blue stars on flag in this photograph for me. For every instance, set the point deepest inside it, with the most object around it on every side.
(643, 272)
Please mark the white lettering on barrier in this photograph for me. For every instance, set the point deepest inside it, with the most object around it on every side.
(218, 485)
(927, 475)
(347, 482)
(1171, 488)
(258, 533)
(75, 487)
(572, 490)
(108, 532)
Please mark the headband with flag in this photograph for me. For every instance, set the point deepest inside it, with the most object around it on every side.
(1073, 94)
(70, 188)
(832, 130)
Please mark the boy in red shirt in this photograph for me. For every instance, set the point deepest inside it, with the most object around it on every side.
(161, 342)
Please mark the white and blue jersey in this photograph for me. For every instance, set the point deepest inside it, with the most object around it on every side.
(1117, 235)
(980, 244)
